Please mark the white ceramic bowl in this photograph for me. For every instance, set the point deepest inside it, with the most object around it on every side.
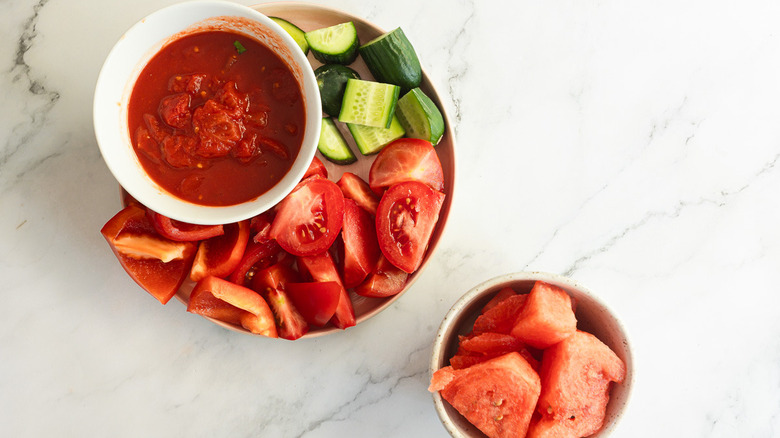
(129, 56)
(593, 316)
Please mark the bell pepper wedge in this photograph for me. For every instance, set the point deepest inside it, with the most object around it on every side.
(233, 304)
(219, 256)
(156, 264)
(182, 231)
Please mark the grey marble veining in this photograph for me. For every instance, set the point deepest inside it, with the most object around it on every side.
(630, 145)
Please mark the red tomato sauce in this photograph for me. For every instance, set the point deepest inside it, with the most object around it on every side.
(216, 118)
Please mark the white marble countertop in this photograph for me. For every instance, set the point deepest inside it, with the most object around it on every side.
(630, 145)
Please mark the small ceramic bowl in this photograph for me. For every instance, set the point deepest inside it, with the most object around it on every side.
(129, 56)
(593, 316)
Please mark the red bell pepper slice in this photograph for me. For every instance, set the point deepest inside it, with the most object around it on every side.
(316, 301)
(183, 231)
(233, 304)
(219, 256)
(155, 263)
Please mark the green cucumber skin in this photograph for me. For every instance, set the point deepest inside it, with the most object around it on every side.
(326, 55)
(336, 151)
(295, 32)
(431, 111)
(332, 80)
(392, 59)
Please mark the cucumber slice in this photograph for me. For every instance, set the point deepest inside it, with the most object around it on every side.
(335, 44)
(332, 144)
(392, 59)
(295, 32)
(332, 80)
(371, 140)
(420, 117)
(369, 103)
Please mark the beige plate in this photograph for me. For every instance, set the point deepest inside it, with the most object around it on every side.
(310, 17)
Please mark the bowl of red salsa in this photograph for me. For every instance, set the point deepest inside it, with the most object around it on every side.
(207, 112)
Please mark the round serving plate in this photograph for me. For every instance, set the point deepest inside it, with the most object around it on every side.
(309, 17)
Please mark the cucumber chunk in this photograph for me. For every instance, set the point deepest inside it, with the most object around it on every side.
(392, 59)
(332, 144)
(335, 44)
(332, 80)
(420, 117)
(295, 32)
(369, 103)
(371, 140)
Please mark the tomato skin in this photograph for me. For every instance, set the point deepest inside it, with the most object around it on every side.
(219, 256)
(405, 221)
(258, 255)
(271, 283)
(359, 191)
(385, 281)
(361, 248)
(316, 301)
(310, 218)
(160, 279)
(315, 168)
(406, 159)
(182, 231)
(234, 304)
(321, 267)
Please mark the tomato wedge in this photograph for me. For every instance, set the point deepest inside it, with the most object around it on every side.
(385, 281)
(219, 256)
(309, 218)
(271, 282)
(359, 191)
(234, 304)
(317, 301)
(405, 220)
(406, 159)
(257, 256)
(361, 249)
(158, 265)
(260, 225)
(321, 267)
(182, 231)
(316, 168)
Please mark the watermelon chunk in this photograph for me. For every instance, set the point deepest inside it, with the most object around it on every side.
(575, 376)
(499, 297)
(501, 318)
(497, 396)
(546, 318)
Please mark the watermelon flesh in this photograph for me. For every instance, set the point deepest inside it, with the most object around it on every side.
(575, 374)
(497, 396)
(546, 317)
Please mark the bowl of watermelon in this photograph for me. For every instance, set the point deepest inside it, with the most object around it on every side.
(530, 354)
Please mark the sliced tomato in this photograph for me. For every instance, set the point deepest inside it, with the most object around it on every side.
(356, 189)
(361, 249)
(257, 256)
(219, 256)
(271, 282)
(317, 301)
(183, 231)
(316, 168)
(321, 267)
(405, 220)
(310, 217)
(155, 263)
(234, 304)
(406, 159)
(385, 281)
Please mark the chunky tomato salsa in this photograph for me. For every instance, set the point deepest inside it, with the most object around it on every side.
(216, 118)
